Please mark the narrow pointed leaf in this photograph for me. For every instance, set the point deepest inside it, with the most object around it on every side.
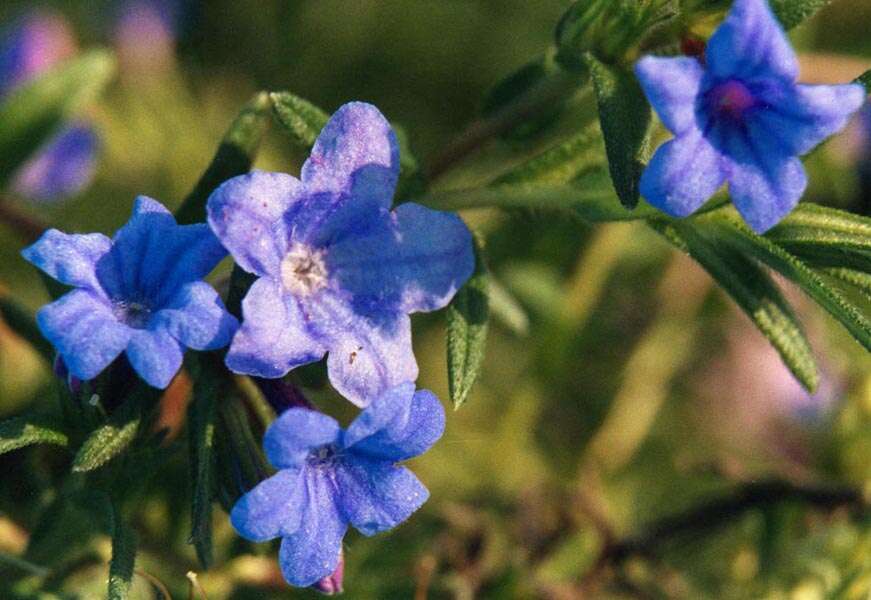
(757, 295)
(624, 114)
(112, 438)
(300, 119)
(858, 279)
(235, 156)
(201, 432)
(123, 558)
(792, 13)
(728, 229)
(34, 111)
(468, 319)
(27, 430)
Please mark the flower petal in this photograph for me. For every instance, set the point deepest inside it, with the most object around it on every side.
(671, 85)
(197, 318)
(764, 181)
(375, 495)
(293, 435)
(274, 336)
(273, 508)
(413, 260)
(683, 174)
(62, 168)
(397, 426)
(312, 551)
(155, 256)
(247, 214)
(367, 355)
(356, 154)
(804, 115)
(751, 44)
(155, 355)
(81, 326)
(70, 258)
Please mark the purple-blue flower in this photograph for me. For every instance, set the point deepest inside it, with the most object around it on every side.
(62, 168)
(140, 293)
(339, 272)
(33, 44)
(739, 117)
(329, 478)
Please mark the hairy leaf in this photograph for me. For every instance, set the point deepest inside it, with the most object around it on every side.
(625, 116)
(727, 228)
(34, 111)
(791, 13)
(123, 558)
(27, 430)
(301, 119)
(201, 440)
(113, 437)
(468, 318)
(757, 295)
(235, 156)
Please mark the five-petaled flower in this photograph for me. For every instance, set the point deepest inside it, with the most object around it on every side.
(339, 272)
(139, 292)
(329, 478)
(739, 116)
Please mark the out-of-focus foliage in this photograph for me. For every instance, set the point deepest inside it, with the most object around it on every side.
(620, 385)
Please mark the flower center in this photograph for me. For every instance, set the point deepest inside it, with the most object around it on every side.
(134, 314)
(303, 270)
(322, 457)
(731, 99)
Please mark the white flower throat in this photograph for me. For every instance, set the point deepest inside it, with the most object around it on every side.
(303, 270)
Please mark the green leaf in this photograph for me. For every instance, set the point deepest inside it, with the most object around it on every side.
(757, 295)
(201, 439)
(301, 119)
(857, 279)
(234, 157)
(624, 114)
(561, 163)
(123, 558)
(27, 430)
(794, 12)
(234, 429)
(864, 80)
(34, 111)
(112, 438)
(468, 318)
(728, 228)
(22, 323)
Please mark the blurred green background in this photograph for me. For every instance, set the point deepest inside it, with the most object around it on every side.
(620, 386)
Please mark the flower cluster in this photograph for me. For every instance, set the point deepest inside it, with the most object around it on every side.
(739, 116)
(338, 273)
(35, 44)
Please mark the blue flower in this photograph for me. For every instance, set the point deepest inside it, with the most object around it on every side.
(329, 478)
(139, 292)
(62, 168)
(339, 272)
(739, 116)
(33, 44)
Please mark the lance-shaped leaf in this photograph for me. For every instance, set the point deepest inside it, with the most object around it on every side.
(624, 114)
(113, 437)
(201, 442)
(123, 557)
(792, 13)
(22, 323)
(727, 228)
(826, 237)
(301, 119)
(235, 156)
(27, 430)
(857, 279)
(468, 318)
(757, 295)
(34, 111)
